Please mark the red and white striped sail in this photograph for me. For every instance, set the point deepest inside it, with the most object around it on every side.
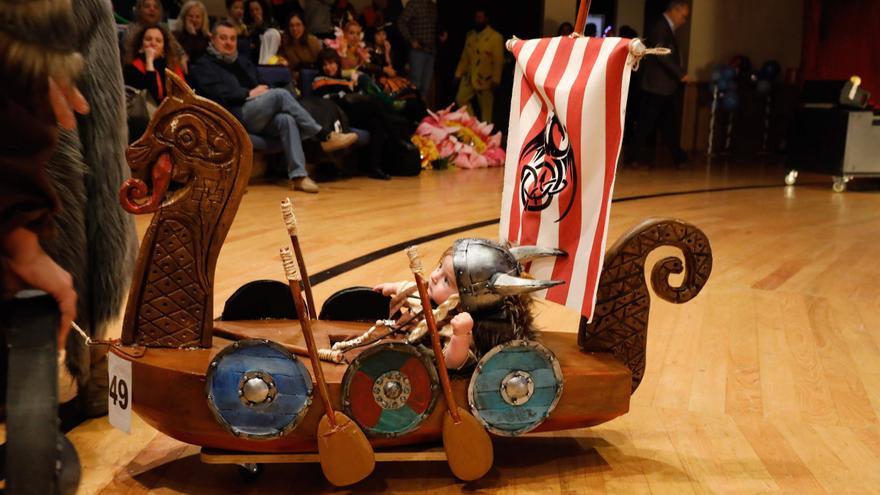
(566, 124)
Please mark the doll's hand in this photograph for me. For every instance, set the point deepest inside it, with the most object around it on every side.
(462, 324)
(386, 289)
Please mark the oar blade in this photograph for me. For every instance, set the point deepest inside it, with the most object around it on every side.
(468, 447)
(345, 453)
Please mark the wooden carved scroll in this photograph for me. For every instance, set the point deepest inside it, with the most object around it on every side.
(199, 162)
(620, 320)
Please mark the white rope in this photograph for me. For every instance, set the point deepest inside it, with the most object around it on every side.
(638, 50)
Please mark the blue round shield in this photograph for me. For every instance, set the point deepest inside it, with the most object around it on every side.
(257, 389)
(515, 387)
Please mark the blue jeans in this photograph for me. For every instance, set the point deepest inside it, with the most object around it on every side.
(421, 69)
(277, 114)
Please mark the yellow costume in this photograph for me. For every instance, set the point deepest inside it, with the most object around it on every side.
(480, 70)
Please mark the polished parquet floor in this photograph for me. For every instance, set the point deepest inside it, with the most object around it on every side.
(767, 382)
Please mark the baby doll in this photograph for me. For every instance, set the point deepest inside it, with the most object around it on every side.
(494, 305)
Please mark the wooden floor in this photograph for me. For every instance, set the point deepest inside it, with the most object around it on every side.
(769, 381)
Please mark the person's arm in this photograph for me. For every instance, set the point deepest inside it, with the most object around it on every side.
(660, 35)
(465, 61)
(403, 24)
(218, 88)
(497, 60)
(25, 265)
(456, 351)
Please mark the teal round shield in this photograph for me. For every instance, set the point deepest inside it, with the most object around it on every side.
(515, 387)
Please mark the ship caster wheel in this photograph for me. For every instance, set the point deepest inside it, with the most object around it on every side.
(791, 178)
(839, 184)
(250, 471)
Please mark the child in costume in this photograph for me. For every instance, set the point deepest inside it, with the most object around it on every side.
(490, 300)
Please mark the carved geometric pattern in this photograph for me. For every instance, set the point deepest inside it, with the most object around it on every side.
(620, 320)
(173, 303)
(209, 154)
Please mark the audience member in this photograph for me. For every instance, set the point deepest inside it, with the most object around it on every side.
(632, 100)
(363, 110)
(351, 48)
(591, 30)
(194, 33)
(661, 78)
(380, 56)
(235, 15)
(283, 9)
(372, 17)
(148, 12)
(565, 29)
(342, 13)
(418, 26)
(391, 14)
(318, 18)
(145, 60)
(148, 52)
(232, 81)
(628, 32)
(480, 66)
(301, 48)
(264, 38)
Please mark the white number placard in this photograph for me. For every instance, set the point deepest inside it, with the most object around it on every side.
(120, 392)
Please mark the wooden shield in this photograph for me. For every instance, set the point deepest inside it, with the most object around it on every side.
(515, 387)
(390, 389)
(257, 389)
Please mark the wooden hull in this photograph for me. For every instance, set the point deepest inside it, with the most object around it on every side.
(169, 389)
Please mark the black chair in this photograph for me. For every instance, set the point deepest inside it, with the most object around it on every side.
(355, 304)
(260, 300)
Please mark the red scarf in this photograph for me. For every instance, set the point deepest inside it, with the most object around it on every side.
(140, 65)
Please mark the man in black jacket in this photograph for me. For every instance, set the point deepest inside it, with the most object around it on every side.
(661, 78)
(232, 81)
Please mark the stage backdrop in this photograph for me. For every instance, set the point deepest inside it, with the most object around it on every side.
(841, 39)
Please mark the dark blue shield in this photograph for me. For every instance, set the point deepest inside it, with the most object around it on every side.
(257, 389)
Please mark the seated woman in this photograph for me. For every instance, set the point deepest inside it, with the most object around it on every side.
(300, 48)
(364, 111)
(147, 55)
(194, 34)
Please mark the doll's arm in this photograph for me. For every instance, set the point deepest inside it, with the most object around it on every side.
(456, 351)
(390, 288)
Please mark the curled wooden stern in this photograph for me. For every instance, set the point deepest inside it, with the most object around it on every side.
(620, 321)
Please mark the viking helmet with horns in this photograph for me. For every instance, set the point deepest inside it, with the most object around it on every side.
(486, 272)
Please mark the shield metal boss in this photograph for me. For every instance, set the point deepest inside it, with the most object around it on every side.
(515, 387)
(257, 389)
(390, 389)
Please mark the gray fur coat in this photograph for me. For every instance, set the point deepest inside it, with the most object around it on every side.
(96, 239)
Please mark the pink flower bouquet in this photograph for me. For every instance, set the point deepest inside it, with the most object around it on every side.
(457, 137)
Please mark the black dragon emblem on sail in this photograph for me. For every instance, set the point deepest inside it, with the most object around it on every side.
(548, 168)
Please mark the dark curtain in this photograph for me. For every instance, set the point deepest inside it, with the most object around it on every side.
(842, 39)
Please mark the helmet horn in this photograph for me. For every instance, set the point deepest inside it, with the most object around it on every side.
(524, 254)
(509, 285)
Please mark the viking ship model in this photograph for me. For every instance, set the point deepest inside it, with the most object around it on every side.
(240, 386)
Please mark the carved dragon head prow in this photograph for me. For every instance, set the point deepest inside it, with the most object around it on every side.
(198, 159)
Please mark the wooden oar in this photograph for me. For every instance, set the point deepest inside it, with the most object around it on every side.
(468, 447)
(345, 453)
(293, 231)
